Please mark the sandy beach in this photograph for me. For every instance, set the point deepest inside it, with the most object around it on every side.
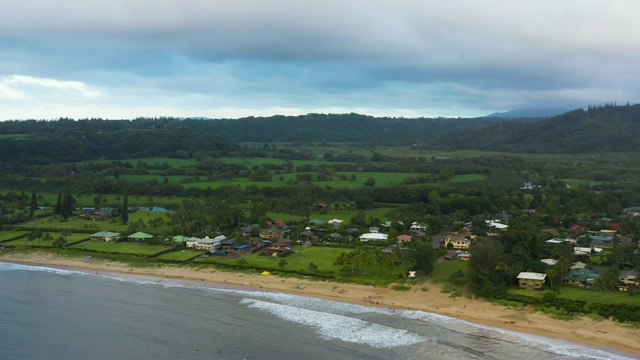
(585, 331)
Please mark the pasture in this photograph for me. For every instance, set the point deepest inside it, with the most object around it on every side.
(26, 242)
(123, 247)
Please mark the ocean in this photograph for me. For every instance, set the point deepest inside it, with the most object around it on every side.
(51, 313)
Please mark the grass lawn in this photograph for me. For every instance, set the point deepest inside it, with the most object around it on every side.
(77, 224)
(156, 161)
(588, 295)
(443, 270)
(11, 235)
(25, 242)
(120, 248)
(180, 255)
(323, 257)
(467, 178)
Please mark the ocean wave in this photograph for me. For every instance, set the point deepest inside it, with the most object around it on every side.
(339, 327)
(550, 345)
(5, 266)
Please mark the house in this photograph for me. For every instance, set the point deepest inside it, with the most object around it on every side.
(334, 237)
(105, 236)
(464, 256)
(93, 214)
(401, 239)
(586, 250)
(373, 237)
(335, 222)
(457, 241)
(581, 277)
(561, 240)
(275, 223)
(629, 277)
(180, 239)
(495, 226)
(527, 186)
(272, 233)
(531, 280)
(140, 236)
(307, 236)
(415, 226)
(206, 243)
(549, 262)
(279, 248)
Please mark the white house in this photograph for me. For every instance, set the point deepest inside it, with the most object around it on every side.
(531, 280)
(373, 237)
(335, 222)
(585, 250)
(415, 226)
(205, 243)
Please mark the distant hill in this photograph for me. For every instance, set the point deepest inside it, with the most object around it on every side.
(606, 128)
(68, 140)
(527, 113)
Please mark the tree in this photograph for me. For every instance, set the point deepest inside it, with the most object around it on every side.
(282, 264)
(125, 206)
(486, 254)
(33, 205)
(425, 255)
(609, 279)
(370, 182)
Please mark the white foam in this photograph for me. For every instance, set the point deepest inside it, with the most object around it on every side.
(555, 346)
(5, 266)
(339, 327)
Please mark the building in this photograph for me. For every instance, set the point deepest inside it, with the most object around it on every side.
(581, 277)
(457, 241)
(106, 236)
(531, 280)
(373, 237)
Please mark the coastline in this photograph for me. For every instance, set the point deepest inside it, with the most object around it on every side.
(605, 333)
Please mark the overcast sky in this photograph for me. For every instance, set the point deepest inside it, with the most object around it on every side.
(231, 58)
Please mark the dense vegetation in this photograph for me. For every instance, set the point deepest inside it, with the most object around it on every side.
(608, 128)
(328, 166)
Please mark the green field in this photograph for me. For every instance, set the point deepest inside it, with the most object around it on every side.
(323, 257)
(443, 270)
(25, 242)
(77, 224)
(10, 235)
(467, 178)
(120, 248)
(588, 295)
(180, 255)
(156, 161)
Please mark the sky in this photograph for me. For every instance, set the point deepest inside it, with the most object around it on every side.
(122, 59)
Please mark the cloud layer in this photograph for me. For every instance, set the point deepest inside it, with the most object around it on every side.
(123, 59)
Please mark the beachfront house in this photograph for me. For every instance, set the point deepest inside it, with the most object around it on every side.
(206, 243)
(140, 236)
(105, 236)
(629, 277)
(581, 277)
(531, 280)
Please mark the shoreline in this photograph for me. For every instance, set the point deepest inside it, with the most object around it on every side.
(599, 334)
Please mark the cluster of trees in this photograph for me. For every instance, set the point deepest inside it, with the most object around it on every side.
(418, 255)
(578, 131)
